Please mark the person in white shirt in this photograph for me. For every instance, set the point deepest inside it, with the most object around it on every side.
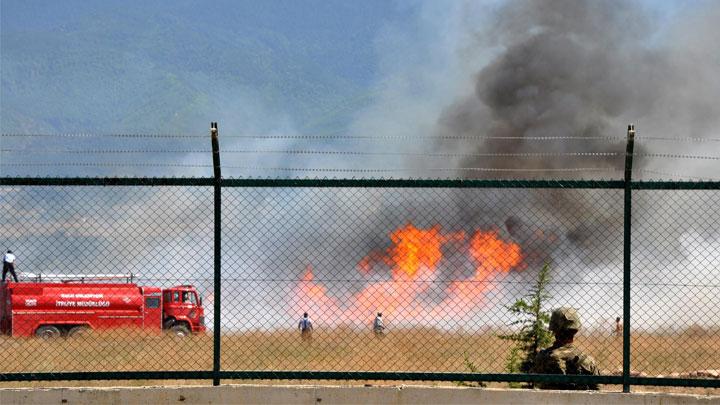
(9, 265)
(305, 327)
(379, 325)
(618, 327)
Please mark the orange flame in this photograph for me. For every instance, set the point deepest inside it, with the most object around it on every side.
(493, 254)
(413, 261)
(415, 248)
(310, 294)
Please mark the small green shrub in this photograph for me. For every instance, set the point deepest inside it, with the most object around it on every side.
(534, 334)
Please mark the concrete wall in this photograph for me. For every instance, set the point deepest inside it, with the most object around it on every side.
(316, 395)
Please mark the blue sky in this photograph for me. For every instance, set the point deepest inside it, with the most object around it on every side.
(385, 67)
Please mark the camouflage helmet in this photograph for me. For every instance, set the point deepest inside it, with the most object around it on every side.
(564, 319)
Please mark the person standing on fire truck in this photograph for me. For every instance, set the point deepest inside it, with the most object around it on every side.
(9, 265)
(305, 327)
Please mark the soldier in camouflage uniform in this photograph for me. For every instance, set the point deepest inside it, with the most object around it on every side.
(563, 357)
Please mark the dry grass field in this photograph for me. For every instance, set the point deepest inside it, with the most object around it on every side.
(335, 350)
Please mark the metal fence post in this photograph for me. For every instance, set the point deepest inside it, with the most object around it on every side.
(217, 252)
(627, 256)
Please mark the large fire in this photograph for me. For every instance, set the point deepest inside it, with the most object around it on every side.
(410, 289)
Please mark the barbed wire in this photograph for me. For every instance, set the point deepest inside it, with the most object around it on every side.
(368, 137)
(61, 164)
(307, 169)
(439, 137)
(675, 175)
(317, 152)
(677, 156)
(671, 139)
(88, 135)
(311, 136)
(431, 169)
(103, 151)
(361, 153)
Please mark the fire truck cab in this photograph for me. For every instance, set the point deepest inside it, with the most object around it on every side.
(47, 308)
(183, 312)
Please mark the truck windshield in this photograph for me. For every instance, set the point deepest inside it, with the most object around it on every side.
(189, 297)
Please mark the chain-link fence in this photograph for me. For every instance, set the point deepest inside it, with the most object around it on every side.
(675, 282)
(96, 240)
(400, 280)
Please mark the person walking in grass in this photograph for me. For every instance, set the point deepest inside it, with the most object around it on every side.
(305, 326)
(618, 327)
(379, 325)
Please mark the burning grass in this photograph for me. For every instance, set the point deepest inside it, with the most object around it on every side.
(410, 269)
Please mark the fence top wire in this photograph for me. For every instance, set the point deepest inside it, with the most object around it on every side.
(677, 176)
(104, 164)
(360, 137)
(677, 156)
(681, 139)
(316, 136)
(379, 182)
(430, 169)
(89, 135)
(315, 152)
(386, 171)
(364, 182)
(532, 172)
(361, 153)
(353, 171)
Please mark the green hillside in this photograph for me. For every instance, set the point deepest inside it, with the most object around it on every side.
(117, 66)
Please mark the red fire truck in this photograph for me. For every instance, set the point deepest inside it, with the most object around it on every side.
(57, 305)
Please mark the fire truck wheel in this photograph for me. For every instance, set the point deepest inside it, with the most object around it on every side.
(168, 324)
(47, 332)
(79, 331)
(180, 331)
